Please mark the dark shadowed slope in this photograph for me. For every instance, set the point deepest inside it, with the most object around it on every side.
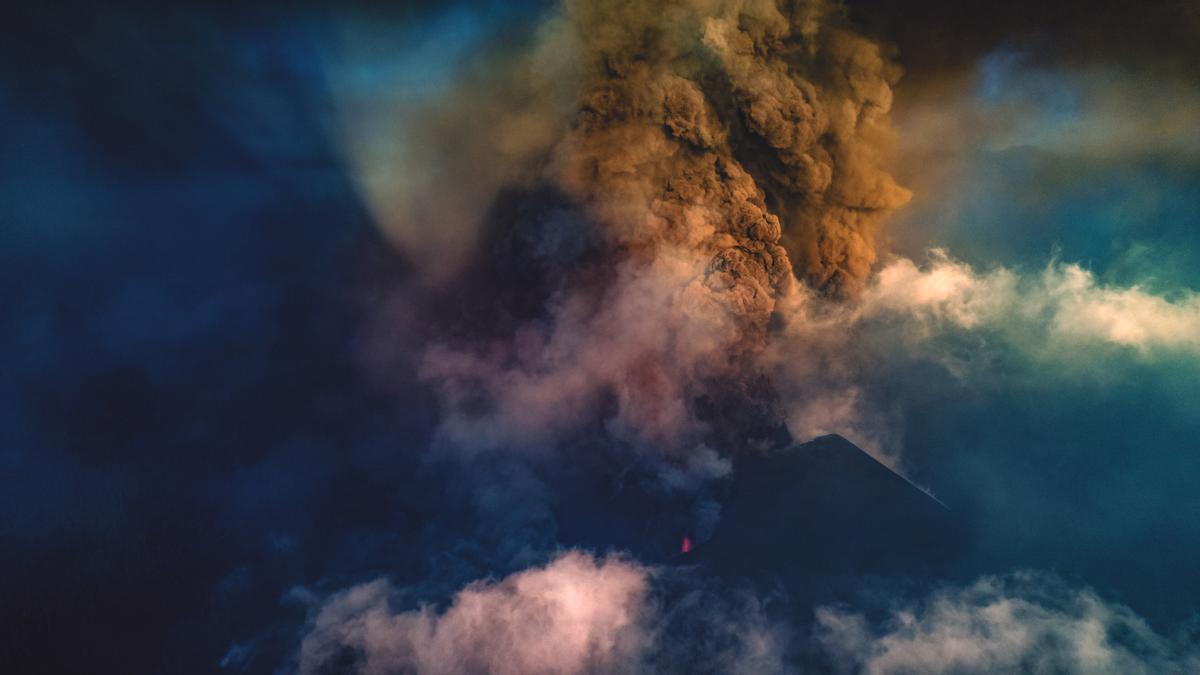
(827, 508)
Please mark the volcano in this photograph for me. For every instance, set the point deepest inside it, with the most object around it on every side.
(822, 508)
(827, 509)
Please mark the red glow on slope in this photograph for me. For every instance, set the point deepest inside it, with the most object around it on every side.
(686, 546)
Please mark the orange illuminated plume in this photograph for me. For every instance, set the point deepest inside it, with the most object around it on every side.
(686, 546)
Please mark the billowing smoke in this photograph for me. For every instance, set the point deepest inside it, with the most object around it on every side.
(595, 255)
(651, 230)
(666, 235)
(716, 157)
(726, 128)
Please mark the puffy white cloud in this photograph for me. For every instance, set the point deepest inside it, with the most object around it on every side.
(1021, 623)
(574, 615)
(828, 359)
(1064, 306)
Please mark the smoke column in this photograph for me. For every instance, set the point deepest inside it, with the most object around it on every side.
(717, 157)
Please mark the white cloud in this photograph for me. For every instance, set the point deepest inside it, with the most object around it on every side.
(1064, 306)
(1021, 623)
(829, 357)
(574, 615)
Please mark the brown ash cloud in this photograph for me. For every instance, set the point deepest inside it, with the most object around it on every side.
(719, 157)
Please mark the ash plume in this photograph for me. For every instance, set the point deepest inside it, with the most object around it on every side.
(719, 157)
(730, 128)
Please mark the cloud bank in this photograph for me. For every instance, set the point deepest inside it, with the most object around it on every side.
(574, 615)
(1020, 623)
(1063, 307)
(828, 358)
(578, 614)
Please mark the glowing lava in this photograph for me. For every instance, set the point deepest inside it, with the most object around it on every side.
(686, 545)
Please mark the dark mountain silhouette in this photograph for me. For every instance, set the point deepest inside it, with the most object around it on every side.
(826, 509)
(822, 509)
